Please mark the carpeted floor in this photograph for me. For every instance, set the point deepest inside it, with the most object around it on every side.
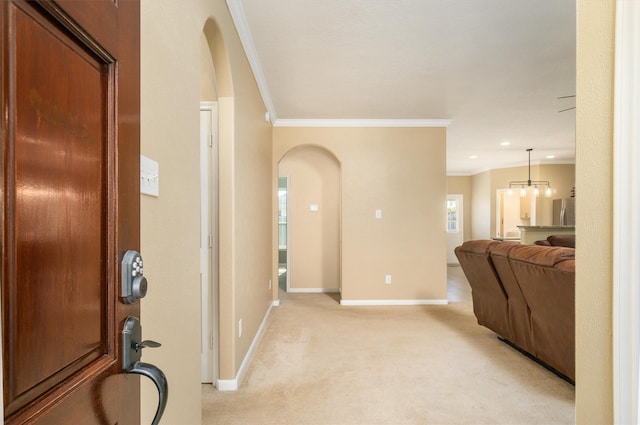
(320, 363)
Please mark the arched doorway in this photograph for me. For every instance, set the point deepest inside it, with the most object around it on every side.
(313, 220)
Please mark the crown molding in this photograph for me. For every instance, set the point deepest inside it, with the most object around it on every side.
(362, 123)
(242, 26)
(514, 165)
(461, 174)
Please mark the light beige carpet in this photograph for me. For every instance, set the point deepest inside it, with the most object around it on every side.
(323, 363)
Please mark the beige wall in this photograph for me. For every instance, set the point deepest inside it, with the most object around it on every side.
(314, 236)
(208, 90)
(481, 205)
(461, 185)
(402, 172)
(594, 159)
(172, 66)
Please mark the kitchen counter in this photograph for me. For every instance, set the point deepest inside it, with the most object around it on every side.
(530, 234)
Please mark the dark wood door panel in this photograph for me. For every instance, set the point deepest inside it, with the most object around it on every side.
(91, 399)
(58, 285)
(69, 138)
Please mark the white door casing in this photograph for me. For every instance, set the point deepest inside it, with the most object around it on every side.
(209, 240)
(455, 233)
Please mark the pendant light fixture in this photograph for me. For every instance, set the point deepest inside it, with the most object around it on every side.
(529, 184)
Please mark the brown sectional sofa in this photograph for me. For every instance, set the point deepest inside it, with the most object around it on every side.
(525, 294)
(559, 240)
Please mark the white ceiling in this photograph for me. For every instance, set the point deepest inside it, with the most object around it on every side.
(493, 67)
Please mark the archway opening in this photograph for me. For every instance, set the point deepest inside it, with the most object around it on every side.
(311, 256)
(216, 146)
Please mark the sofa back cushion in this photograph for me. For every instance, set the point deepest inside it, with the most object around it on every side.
(489, 297)
(546, 276)
(519, 314)
(568, 241)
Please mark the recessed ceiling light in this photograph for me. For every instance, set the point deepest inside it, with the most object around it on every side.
(550, 156)
(505, 143)
(473, 156)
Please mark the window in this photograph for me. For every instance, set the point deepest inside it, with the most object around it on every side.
(452, 216)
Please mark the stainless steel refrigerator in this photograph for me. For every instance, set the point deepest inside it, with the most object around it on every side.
(564, 212)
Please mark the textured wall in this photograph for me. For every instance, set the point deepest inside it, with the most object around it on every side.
(594, 252)
(481, 205)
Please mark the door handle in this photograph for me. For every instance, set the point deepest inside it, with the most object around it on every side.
(132, 346)
(158, 378)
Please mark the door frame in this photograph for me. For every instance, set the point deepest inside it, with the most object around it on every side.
(626, 237)
(499, 192)
(288, 259)
(460, 220)
(209, 243)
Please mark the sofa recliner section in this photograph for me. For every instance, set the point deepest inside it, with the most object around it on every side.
(519, 313)
(525, 294)
(547, 279)
(490, 304)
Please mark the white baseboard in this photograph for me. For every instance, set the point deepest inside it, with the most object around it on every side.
(227, 384)
(394, 302)
(276, 303)
(314, 290)
(233, 384)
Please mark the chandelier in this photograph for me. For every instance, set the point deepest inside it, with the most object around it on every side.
(528, 184)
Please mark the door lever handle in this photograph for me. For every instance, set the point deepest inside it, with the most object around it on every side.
(147, 344)
(132, 346)
(158, 378)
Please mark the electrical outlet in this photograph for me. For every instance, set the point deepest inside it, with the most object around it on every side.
(239, 328)
(387, 279)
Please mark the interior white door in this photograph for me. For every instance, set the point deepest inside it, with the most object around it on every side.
(511, 217)
(208, 240)
(455, 235)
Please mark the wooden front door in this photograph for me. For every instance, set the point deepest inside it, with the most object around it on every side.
(70, 207)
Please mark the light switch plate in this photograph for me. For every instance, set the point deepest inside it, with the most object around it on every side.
(314, 207)
(149, 177)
